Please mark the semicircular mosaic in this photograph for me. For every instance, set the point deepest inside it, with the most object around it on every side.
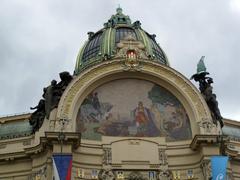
(133, 108)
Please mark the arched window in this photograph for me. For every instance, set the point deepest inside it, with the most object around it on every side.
(92, 48)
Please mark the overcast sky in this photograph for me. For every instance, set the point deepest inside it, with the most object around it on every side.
(39, 39)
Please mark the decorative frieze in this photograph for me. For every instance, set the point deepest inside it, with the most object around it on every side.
(136, 175)
(107, 156)
(206, 169)
(208, 127)
(163, 157)
(106, 174)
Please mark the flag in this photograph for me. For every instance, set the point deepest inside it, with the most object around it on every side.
(219, 166)
(62, 165)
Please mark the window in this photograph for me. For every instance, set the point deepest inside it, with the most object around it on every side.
(157, 51)
(123, 32)
(92, 48)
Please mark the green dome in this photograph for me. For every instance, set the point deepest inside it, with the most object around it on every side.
(102, 45)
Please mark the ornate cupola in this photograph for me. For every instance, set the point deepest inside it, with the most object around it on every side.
(103, 44)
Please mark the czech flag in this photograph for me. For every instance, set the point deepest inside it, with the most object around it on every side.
(62, 165)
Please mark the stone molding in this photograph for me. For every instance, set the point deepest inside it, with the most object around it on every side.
(47, 142)
(200, 140)
(77, 89)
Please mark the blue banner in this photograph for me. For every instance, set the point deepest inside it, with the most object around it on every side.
(219, 167)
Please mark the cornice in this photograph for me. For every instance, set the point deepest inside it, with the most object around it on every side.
(201, 140)
(17, 117)
(45, 144)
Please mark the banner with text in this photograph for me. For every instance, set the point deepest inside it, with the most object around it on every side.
(219, 167)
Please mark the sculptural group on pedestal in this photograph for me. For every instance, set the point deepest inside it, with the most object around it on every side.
(206, 90)
(51, 97)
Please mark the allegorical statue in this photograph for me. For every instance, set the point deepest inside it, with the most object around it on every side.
(66, 78)
(37, 117)
(206, 88)
(51, 95)
(48, 95)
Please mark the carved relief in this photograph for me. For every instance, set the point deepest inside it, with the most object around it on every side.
(163, 157)
(131, 51)
(61, 125)
(130, 43)
(107, 156)
(40, 175)
(106, 174)
(164, 174)
(206, 169)
(136, 176)
(208, 127)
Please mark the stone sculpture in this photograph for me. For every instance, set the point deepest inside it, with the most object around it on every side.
(135, 175)
(106, 174)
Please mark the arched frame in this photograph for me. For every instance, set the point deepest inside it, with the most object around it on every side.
(107, 71)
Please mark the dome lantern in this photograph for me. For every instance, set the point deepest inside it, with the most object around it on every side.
(118, 18)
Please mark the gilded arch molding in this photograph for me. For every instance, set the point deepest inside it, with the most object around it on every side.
(182, 86)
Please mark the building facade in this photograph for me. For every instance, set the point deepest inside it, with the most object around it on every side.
(123, 114)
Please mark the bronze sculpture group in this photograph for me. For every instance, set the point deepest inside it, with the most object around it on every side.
(206, 90)
(51, 97)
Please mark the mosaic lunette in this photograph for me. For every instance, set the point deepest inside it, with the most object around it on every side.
(132, 108)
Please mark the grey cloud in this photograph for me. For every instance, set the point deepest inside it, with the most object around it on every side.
(38, 39)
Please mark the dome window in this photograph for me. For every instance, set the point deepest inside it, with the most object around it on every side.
(92, 48)
(158, 53)
(123, 32)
